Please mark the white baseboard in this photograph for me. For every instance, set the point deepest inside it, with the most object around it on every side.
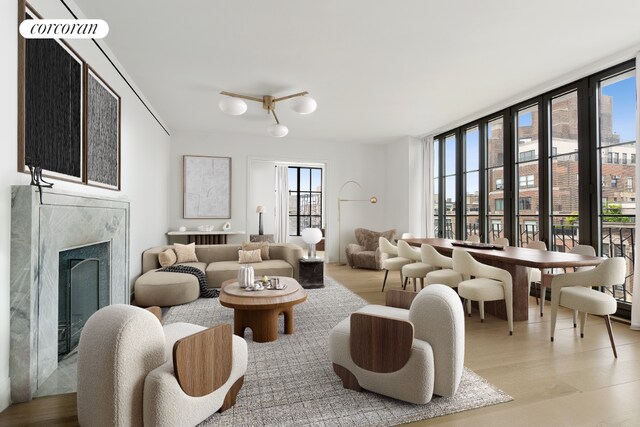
(5, 393)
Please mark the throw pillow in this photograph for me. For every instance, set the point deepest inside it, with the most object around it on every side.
(263, 246)
(167, 258)
(185, 253)
(246, 257)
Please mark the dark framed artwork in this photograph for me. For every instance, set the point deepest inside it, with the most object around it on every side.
(207, 187)
(50, 107)
(102, 133)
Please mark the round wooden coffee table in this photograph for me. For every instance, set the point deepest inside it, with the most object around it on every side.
(259, 310)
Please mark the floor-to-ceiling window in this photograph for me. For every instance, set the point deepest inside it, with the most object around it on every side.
(495, 178)
(436, 188)
(559, 168)
(527, 175)
(471, 181)
(450, 199)
(617, 166)
(565, 176)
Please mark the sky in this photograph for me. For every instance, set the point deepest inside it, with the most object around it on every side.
(624, 107)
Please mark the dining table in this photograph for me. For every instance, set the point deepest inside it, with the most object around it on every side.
(515, 260)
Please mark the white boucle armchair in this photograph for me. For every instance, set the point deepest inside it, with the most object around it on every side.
(407, 354)
(132, 371)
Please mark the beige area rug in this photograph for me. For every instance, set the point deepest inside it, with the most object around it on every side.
(290, 382)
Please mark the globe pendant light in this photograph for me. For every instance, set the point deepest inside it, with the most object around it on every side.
(277, 130)
(232, 106)
(303, 105)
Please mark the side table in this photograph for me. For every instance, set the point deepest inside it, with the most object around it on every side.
(311, 273)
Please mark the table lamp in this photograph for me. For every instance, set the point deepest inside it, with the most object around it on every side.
(311, 236)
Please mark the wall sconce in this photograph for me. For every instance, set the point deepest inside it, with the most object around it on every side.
(372, 200)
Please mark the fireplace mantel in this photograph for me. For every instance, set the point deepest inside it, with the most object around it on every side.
(38, 232)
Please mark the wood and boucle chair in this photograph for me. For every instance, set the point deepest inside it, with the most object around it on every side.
(574, 291)
(134, 372)
(445, 275)
(407, 354)
(488, 284)
(535, 275)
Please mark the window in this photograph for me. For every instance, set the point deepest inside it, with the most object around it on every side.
(525, 203)
(305, 199)
(609, 157)
(624, 158)
(614, 181)
(527, 181)
(499, 184)
(629, 183)
(633, 159)
(499, 204)
(527, 155)
(616, 158)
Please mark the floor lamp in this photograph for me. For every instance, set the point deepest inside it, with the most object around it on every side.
(372, 199)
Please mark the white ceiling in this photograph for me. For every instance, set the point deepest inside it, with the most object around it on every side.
(378, 69)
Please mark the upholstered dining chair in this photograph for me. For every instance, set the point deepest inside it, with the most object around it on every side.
(474, 238)
(535, 275)
(407, 236)
(444, 273)
(416, 270)
(575, 291)
(391, 261)
(577, 249)
(501, 241)
(489, 284)
(410, 349)
(132, 371)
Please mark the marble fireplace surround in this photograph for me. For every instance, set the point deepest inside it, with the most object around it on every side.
(38, 232)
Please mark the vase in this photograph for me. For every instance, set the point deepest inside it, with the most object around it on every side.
(245, 276)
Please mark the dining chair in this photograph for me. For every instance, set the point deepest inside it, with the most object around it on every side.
(407, 236)
(416, 269)
(489, 284)
(575, 291)
(535, 275)
(394, 262)
(444, 273)
(501, 241)
(577, 249)
(473, 238)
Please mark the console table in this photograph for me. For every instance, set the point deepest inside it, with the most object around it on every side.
(216, 237)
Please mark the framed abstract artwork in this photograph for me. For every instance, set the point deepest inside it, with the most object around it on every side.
(207, 187)
(102, 133)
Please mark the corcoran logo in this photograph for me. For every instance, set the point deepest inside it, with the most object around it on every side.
(64, 28)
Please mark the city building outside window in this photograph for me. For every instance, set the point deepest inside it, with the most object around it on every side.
(305, 199)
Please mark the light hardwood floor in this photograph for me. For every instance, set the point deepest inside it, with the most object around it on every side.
(571, 382)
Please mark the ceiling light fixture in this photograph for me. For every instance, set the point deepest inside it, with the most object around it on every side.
(233, 104)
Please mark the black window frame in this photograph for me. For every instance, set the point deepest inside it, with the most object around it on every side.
(300, 195)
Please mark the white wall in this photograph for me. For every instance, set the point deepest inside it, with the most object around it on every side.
(360, 162)
(404, 186)
(145, 160)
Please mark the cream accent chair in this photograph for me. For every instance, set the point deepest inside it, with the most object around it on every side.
(501, 241)
(577, 249)
(474, 238)
(445, 275)
(391, 261)
(132, 371)
(417, 269)
(417, 350)
(574, 291)
(489, 284)
(535, 275)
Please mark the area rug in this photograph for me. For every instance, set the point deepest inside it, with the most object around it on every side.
(290, 382)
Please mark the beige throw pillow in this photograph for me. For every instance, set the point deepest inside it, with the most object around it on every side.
(167, 258)
(185, 253)
(246, 257)
(263, 246)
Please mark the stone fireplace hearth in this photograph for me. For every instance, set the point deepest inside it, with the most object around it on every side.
(38, 233)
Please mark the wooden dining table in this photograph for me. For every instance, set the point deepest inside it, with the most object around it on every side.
(515, 260)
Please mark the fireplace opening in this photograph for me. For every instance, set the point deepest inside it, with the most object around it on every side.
(83, 289)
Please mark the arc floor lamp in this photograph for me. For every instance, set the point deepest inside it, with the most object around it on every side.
(372, 200)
